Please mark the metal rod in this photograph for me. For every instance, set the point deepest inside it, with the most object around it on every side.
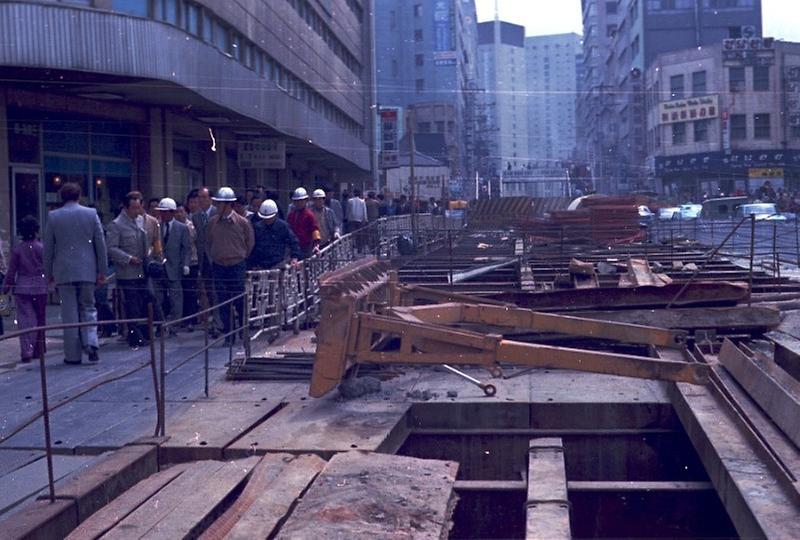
(46, 419)
(752, 256)
(246, 326)
(205, 353)
(154, 370)
(163, 347)
(488, 389)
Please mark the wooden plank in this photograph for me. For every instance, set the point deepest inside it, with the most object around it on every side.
(276, 483)
(787, 352)
(778, 400)
(107, 477)
(325, 426)
(732, 319)
(548, 504)
(111, 514)
(362, 495)
(148, 515)
(208, 427)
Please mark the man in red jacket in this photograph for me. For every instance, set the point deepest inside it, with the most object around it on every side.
(304, 224)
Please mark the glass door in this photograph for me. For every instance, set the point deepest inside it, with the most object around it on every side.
(26, 195)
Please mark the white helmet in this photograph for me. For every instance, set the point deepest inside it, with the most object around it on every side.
(318, 194)
(224, 194)
(300, 194)
(166, 204)
(268, 209)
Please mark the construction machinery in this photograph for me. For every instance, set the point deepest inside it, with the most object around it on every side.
(368, 317)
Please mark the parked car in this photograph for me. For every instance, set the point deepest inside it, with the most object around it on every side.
(762, 211)
(646, 216)
(668, 213)
(688, 211)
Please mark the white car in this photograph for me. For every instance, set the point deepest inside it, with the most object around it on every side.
(668, 213)
(762, 211)
(688, 211)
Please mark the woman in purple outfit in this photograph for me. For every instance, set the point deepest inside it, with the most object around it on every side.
(25, 278)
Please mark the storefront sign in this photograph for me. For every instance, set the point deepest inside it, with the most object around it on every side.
(736, 161)
(443, 49)
(749, 51)
(688, 110)
(772, 172)
(262, 154)
(389, 156)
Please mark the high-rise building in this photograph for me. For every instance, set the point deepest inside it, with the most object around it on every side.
(502, 71)
(552, 79)
(621, 40)
(425, 58)
(170, 95)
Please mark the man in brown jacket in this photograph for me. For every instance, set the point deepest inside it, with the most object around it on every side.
(229, 240)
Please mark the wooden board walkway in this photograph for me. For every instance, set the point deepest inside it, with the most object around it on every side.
(360, 495)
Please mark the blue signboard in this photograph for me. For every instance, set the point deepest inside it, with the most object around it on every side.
(443, 50)
(720, 161)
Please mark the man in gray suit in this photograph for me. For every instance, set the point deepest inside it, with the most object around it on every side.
(177, 258)
(128, 248)
(75, 259)
(200, 219)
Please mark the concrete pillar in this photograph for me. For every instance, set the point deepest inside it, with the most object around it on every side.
(5, 179)
(155, 183)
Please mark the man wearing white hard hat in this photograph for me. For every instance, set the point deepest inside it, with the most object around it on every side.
(274, 238)
(177, 252)
(230, 241)
(303, 223)
(326, 219)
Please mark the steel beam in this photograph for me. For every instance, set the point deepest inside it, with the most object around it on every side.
(548, 504)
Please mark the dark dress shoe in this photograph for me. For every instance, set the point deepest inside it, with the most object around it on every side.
(93, 356)
(69, 363)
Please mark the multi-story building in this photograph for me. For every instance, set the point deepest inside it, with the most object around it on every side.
(425, 57)
(167, 95)
(621, 40)
(502, 71)
(724, 119)
(552, 79)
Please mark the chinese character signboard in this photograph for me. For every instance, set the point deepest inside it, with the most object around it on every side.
(389, 155)
(262, 154)
(444, 53)
(688, 110)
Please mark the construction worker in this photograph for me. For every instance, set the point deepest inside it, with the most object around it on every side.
(303, 223)
(326, 219)
(273, 238)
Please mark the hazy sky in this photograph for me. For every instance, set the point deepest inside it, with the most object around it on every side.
(540, 17)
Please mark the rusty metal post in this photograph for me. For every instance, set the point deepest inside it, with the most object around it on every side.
(712, 232)
(752, 255)
(231, 333)
(450, 242)
(46, 419)
(246, 326)
(163, 347)
(151, 338)
(776, 256)
(205, 354)
(797, 240)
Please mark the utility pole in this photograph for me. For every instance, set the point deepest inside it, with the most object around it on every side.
(413, 179)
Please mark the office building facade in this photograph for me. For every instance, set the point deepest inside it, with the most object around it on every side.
(552, 96)
(167, 95)
(621, 40)
(502, 71)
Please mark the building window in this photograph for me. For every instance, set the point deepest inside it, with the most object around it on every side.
(761, 126)
(417, 10)
(611, 7)
(417, 36)
(424, 127)
(419, 59)
(701, 130)
(738, 127)
(131, 7)
(679, 133)
(611, 29)
(761, 78)
(676, 86)
(736, 79)
(420, 85)
(698, 83)
(395, 68)
(795, 132)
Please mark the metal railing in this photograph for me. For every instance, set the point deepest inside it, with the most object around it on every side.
(273, 300)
